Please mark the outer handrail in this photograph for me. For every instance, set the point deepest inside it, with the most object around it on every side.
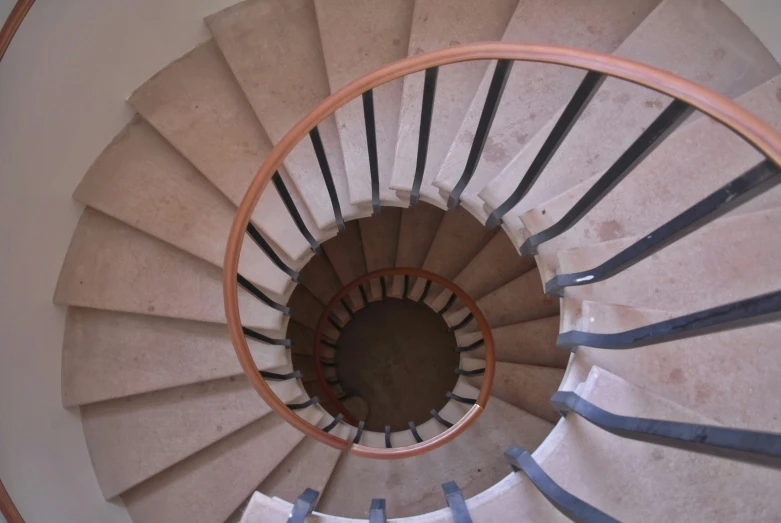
(749, 127)
(488, 378)
(12, 23)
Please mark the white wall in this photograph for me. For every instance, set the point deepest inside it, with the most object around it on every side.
(63, 83)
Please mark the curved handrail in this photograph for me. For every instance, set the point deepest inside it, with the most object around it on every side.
(752, 129)
(488, 377)
(12, 23)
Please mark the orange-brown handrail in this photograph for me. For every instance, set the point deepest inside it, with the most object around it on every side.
(485, 330)
(759, 134)
(12, 23)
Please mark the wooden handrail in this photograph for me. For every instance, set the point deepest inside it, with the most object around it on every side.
(485, 388)
(7, 507)
(720, 108)
(12, 23)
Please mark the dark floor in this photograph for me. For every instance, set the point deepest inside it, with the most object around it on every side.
(399, 356)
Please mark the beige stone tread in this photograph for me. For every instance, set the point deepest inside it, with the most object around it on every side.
(209, 485)
(417, 230)
(273, 48)
(307, 309)
(699, 271)
(142, 181)
(112, 266)
(518, 301)
(379, 236)
(303, 340)
(413, 486)
(309, 465)
(682, 371)
(688, 166)
(345, 252)
(496, 264)
(108, 355)
(359, 37)
(528, 387)
(459, 238)
(319, 277)
(534, 92)
(436, 25)
(529, 342)
(682, 36)
(197, 105)
(131, 439)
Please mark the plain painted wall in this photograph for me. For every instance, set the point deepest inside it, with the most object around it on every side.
(62, 86)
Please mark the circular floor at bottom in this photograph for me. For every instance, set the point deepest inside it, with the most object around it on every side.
(399, 356)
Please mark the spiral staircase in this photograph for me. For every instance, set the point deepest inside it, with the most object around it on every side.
(597, 235)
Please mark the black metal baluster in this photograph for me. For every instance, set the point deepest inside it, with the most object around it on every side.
(363, 296)
(749, 446)
(282, 377)
(665, 123)
(414, 431)
(471, 346)
(259, 294)
(469, 317)
(440, 419)
(279, 184)
(460, 399)
(737, 315)
(331, 426)
(359, 432)
(752, 183)
(383, 289)
(426, 113)
(328, 363)
(377, 511)
(588, 87)
(406, 287)
(574, 508)
(347, 308)
(322, 159)
(329, 344)
(303, 506)
(470, 373)
(254, 233)
(314, 400)
(371, 146)
(492, 99)
(265, 339)
(335, 323)
(450, 302)
(332, 381)
(456, 502)
(387, 437)
(426, 288)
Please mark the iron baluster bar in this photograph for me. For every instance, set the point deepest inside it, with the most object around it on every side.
(322, 159)
(445, 423)
(279, 184)
(258, 238)
(347, 308)
(450, 302)
(331, 426)
(583, 95)
(469, 317)
(456, 502)
(426, 288)
(286, 342)
(335, 323)
(359, 432)
(470, 373)
(377, 511)
(426, 113)
(259, 294)
(574, 508)
(406, 287)
(752, 183)
(665, 123)
(363, 296)
(328, 363)
(314, 400)
(329, 344)
(383, 289)
(471, 346)
(387, 437)
(460, 399)
(332, 381)
(276, 376)
(303, 506)
(765, 308)
(492, 99)
(758, 448)
(371, 146)
(414, 431)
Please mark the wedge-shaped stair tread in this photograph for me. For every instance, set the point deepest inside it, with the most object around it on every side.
(131, 439)
(109, 355)
(694, 162)
(141, 180)
(379, 236)
(435, 26)
(274, 50)
(198, 106)
(413, 486)
(359, 37)
(535, 92)
(701, 270)
(417, 229)
(345, 252)
(319, 277)
(530, 342)
(115, 267)
(309, 465)
(211, 484)
(307, 310)
(684, 37)
(528, 387)
(517, 301)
